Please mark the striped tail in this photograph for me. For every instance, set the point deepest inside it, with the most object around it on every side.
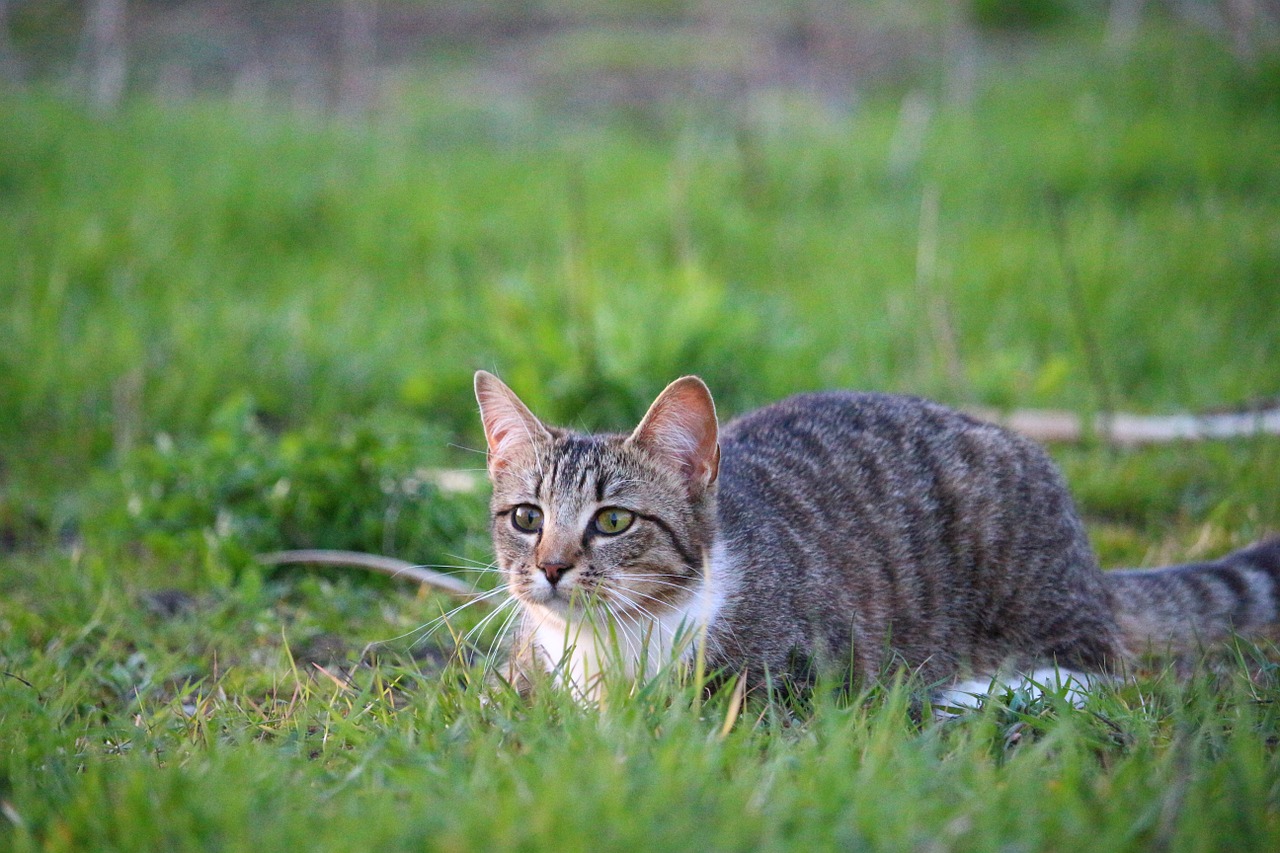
(1185, 609)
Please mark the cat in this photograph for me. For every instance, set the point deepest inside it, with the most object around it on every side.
(839, 530)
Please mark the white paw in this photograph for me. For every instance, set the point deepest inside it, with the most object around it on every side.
(972, 692)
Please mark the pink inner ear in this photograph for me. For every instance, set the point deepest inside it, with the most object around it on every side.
(681, 425)
(509, 427)
(509, 436)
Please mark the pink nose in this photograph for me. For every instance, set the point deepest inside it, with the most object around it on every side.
(554, 570)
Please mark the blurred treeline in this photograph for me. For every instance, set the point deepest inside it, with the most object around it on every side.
(352, 54)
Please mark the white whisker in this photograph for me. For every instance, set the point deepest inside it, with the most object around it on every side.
(646, 596)
(651, 580)
(489, 564)
(477, 569)
(479, 626)
(636, 606)
(430, 627)
(619, 630)
(468, 450)
(502, 632)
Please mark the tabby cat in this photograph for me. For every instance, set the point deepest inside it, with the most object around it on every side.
(843, 530)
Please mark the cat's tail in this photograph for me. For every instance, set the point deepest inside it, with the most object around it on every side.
(1185, 609)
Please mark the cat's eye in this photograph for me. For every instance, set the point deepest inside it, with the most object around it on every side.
(527, 518)
(613, 520)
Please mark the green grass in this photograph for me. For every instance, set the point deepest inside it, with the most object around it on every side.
(227, 329)
(160, 257)
(139, 733)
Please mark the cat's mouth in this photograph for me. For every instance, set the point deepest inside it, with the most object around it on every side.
(555, 596)
(564, 598)
(569, 596)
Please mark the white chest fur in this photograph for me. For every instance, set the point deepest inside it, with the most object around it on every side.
(580, 651)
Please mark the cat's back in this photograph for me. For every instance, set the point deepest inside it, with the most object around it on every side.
(932, 527)
(835, 416)
(880, 478)
(875, 443)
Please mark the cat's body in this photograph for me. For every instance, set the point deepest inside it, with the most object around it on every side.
(839, 530)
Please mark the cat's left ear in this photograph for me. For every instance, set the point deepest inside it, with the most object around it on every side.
(511, 430)
(681, 426)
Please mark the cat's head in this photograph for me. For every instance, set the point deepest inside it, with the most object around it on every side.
(621, 522)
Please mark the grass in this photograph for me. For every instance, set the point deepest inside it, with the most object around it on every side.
(263, 752)
(225, 329)
(163, 256)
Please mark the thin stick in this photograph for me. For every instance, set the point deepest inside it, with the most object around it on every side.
(372, 562)
(1124, 430)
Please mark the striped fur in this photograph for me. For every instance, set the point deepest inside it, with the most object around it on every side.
(840, 530)
(1185, 609)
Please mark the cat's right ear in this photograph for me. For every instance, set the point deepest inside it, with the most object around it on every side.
(510, 429)
(681, 426)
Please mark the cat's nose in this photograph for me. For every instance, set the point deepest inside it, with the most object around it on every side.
(554, 570)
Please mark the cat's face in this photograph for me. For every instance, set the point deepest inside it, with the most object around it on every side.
(602, 523)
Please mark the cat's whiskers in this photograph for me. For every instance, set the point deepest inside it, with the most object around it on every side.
(500, 639)
(670, 632)
(618, 628)
(480, 626)
(467, 565)
(515, 612)
(652, 580)
(477, 569)
(649, 637)
(635, 615)
(659, 641)
(651, 598)
(633, 605)
(429, 628)
(457, 446)
(652, 577)
(621, 593)
(663, 603)
(488, 564)
(444, 565)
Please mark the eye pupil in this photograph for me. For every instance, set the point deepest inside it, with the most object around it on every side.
(612, 521)
(527, 518)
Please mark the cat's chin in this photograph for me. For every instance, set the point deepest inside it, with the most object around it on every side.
(547, 598)
(560, 603)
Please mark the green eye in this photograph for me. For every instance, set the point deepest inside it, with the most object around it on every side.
(613, 521)
(527, 518)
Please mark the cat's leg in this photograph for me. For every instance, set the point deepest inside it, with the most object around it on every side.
(970, 693)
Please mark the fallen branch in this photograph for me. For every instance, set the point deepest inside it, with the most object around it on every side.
(390, 566)
(1059, 427)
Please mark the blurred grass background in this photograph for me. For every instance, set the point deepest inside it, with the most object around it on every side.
(253, 251)
(872, 228)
